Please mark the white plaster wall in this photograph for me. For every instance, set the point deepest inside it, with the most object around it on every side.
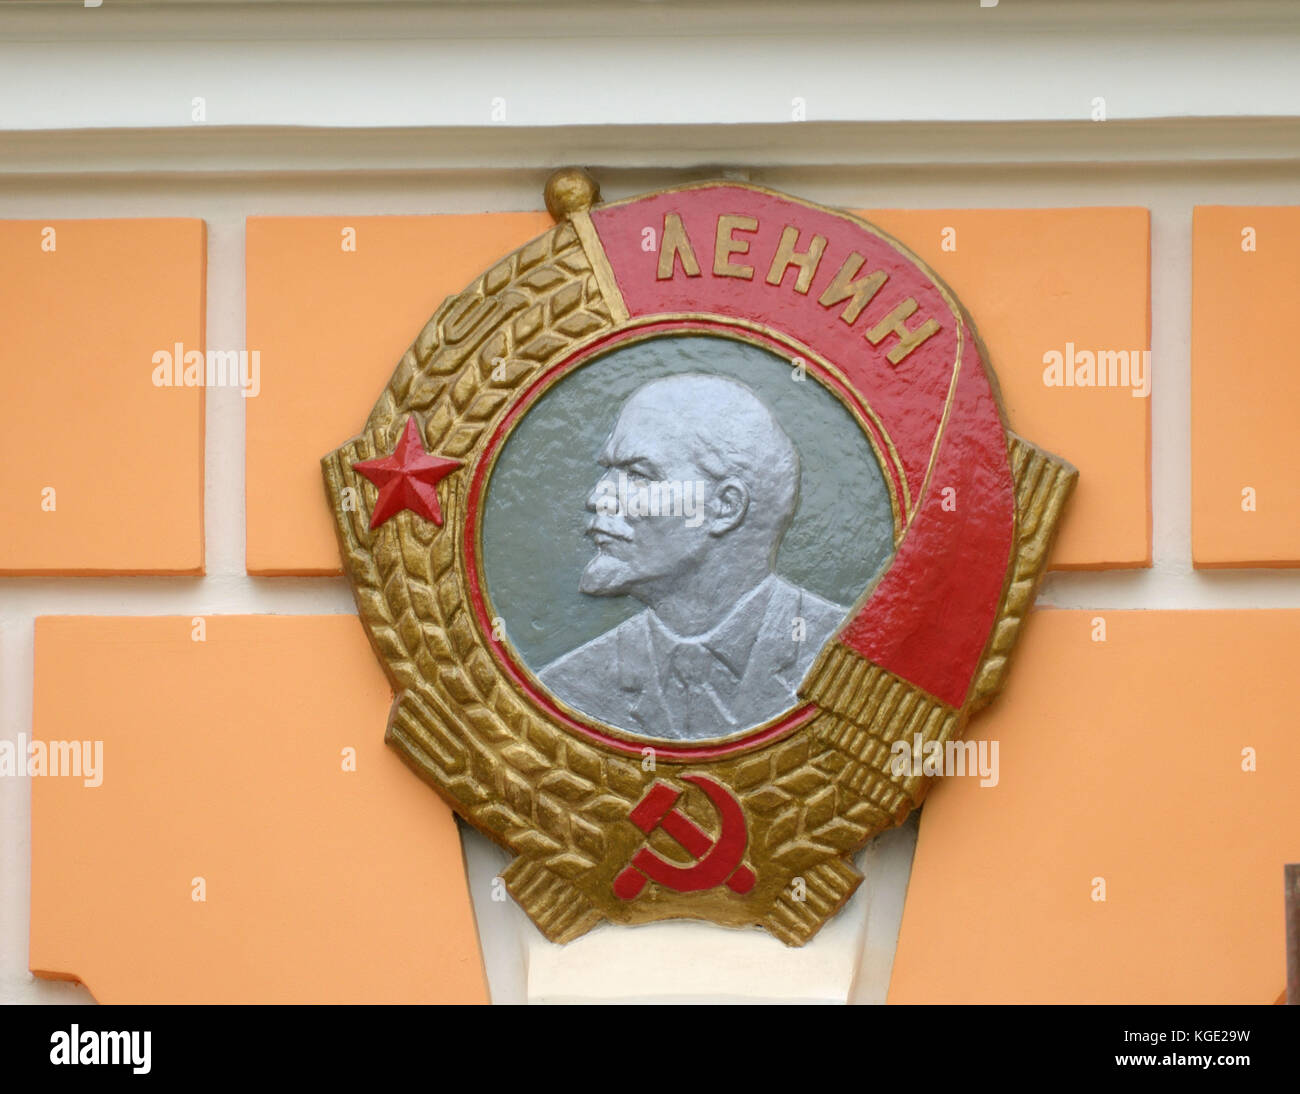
(657, 61)
(85, 119)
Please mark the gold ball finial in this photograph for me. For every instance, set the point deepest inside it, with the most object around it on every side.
(570, 190)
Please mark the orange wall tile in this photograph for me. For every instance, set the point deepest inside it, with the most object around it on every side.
(331, 326)
(1245, 386)
(79, 412)
(222, 759)
(1122, 760)
(1034, 280)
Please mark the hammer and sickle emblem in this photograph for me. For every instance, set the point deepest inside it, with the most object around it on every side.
(717, 861)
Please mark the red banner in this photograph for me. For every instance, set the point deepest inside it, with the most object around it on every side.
(856, 299)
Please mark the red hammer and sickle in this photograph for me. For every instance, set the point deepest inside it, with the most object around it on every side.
(718, 861)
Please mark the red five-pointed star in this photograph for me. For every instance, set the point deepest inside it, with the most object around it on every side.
(408, 479)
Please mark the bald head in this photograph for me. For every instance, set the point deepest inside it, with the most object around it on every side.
(711, 442)
(727, 432)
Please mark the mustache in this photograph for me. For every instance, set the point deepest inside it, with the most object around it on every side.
(597, 527)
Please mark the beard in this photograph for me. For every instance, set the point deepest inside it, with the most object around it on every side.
(606, 576)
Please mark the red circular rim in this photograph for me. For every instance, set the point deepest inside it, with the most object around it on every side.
(633, 746)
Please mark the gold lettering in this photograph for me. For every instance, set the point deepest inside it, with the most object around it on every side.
(726, 246)
(857, 293)
(786, 256)
(673, 243)
(908, 340)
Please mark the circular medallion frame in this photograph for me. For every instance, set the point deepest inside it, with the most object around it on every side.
(765, 824)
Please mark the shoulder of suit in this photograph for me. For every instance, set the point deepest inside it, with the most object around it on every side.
(811, 607)
(601, 653)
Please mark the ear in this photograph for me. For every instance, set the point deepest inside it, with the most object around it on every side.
(729, 505)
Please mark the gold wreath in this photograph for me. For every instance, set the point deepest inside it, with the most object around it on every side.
(558, 802)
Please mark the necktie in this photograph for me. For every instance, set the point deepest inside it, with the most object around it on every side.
(695, 685)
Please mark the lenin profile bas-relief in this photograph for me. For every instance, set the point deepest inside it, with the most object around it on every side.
(700, 485)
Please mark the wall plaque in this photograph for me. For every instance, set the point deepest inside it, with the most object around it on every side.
(684, 533)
